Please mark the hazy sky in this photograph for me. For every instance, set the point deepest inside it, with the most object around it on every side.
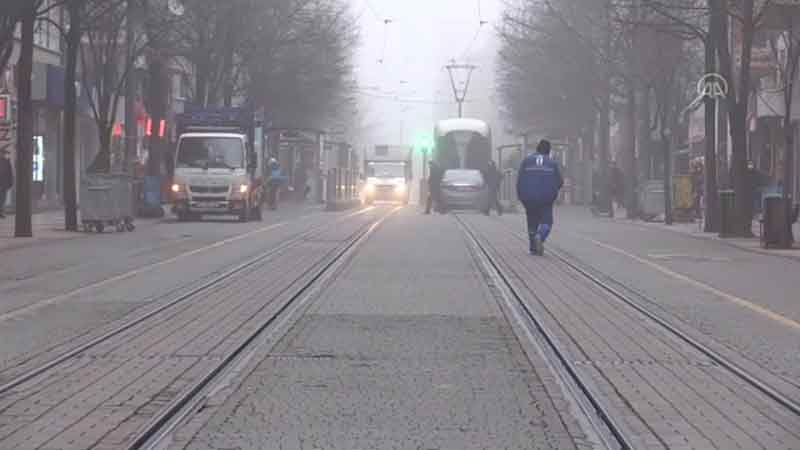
(406, 58)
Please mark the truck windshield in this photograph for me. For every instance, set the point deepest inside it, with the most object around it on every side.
(386, 170)
(211, 152)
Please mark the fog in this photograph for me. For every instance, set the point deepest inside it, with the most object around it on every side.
(400, 65)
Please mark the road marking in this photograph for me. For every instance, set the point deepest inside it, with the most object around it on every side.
(688, 257)
(729, 297)
(13, 314)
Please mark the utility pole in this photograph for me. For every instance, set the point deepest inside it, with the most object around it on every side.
(460, 95)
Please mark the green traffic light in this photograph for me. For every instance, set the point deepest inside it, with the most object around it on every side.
(423, 142)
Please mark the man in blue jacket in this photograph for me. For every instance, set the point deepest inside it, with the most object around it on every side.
(538, 182)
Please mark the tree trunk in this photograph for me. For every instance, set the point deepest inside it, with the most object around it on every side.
(788, 136)
(710, 194)
(604, 151)
(666, 153)
(102, 162)
(605, 117)
(742, 185)
(710, 188)
(131, 130)
(73, 41)
(22, 221)
(630, 163)
(157, 106)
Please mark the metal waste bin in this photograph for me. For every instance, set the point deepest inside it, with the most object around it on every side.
(776, 222)
(651, 199)
(727, 213)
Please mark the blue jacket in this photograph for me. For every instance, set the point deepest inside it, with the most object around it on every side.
(539, 179)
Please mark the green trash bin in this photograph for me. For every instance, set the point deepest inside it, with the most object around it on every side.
(727, 213)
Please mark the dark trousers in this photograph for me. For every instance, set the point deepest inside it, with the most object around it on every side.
(432, 200)
(3, 194)
(540, 220)
(493, 203)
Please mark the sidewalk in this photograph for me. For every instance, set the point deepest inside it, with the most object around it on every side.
(48, 226)
(695, 229)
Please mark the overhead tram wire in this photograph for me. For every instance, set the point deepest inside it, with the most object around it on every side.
(398, 99)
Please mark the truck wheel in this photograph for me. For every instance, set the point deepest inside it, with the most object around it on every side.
(245, 214)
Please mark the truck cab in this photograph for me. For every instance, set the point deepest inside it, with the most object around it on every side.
(388, 174)
(387, 181)
(218, 165)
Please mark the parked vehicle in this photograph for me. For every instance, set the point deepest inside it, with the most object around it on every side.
(219, 164)
(463, 189)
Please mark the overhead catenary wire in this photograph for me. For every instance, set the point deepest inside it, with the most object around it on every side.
(397, 99)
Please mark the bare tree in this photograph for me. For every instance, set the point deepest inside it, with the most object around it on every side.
(298, 60)
(10, 16)
(23, 226)
(107, 59)
(747, 17)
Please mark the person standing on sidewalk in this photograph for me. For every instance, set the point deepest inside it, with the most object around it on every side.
(492, 177)
(538, 182)
(435, 175)
(6, 179)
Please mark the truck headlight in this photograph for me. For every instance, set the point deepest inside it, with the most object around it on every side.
(369, 187)
(177, 188)
(244, 188)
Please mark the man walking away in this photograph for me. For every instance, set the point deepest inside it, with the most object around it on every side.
(538, 183)
(435, 175)
(492, 177)
(6, 179)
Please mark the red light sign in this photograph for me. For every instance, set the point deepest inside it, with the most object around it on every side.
(5, 109)
(162, 128)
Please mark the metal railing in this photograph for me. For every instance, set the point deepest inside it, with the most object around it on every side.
(508, 189)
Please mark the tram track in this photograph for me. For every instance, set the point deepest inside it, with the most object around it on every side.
(162, 307)
(294, 287)
(556, 345)
(157, 430)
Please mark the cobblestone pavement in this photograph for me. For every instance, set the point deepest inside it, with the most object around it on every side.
(77, 298)
(408, 349)
(663, 393)
(741, 302)
(100, 398)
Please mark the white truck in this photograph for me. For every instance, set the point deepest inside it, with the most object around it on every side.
(219, 164)
(388, 174)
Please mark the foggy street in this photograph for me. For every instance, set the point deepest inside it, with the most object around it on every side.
(413, 225)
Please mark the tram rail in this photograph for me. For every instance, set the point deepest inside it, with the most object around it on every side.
(611, 424)
(290, 287)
